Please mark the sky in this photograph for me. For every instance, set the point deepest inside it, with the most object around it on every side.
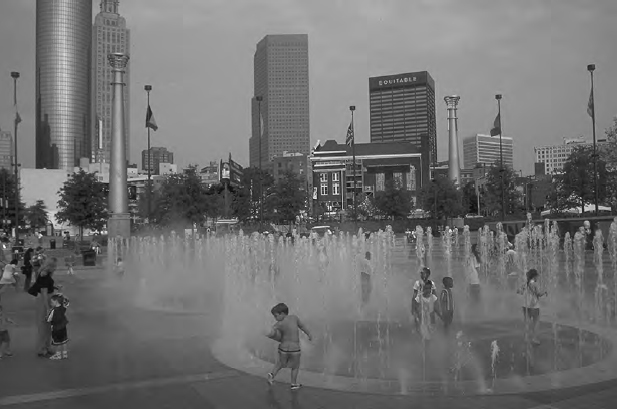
(198, 56)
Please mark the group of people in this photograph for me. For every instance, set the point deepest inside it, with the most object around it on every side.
(50, 304)
(426, 305)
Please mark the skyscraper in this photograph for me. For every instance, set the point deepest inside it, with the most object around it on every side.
(402, 109)
(282, 79)
(63, 52)
(109, 35)
(484, 150)
(6, 150)
(154, 158)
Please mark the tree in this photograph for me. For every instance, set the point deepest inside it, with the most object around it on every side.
(493, 191)
(246, 198)
(37, 215)
(574, 187)
(442, 198)
(608, 152)
(394, 201)
(366, 206)
(288, 198)
(470, 198)
(83, 202)
(181, 199)
(7, 192)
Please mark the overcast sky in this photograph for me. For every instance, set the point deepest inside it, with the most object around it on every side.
(198, 55)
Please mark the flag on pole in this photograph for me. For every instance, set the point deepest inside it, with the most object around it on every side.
(496, 126)
(150, 122)
(17, 116)
(590, 104)
(261, 130)
(350, 136)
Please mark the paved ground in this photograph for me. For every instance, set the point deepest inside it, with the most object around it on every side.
(124, 357)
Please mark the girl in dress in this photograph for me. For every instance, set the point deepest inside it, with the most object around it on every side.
(58, 321)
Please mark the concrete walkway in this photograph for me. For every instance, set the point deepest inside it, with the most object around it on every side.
(125, 357)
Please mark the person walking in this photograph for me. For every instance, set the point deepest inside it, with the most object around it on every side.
(42, 289)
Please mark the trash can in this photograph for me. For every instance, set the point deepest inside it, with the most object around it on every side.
(89, 257)
(52, 244)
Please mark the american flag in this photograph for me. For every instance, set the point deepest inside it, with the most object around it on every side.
(590, 105)
(350, 138)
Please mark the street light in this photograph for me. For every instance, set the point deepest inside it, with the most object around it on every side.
(148, 88)
(591, 68)
(501, 169)
(259, 98)
(15, 76)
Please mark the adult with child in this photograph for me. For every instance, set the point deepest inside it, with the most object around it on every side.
(44, 286)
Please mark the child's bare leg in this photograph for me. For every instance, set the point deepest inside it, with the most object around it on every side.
(294, 362)
(294, 376)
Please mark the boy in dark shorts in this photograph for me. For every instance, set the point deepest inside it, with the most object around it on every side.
(287, 332)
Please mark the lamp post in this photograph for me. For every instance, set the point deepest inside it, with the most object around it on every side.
(148, 88)
(591, 68)
(352, 108)
(501, 169)
(15, 76)
(259, 98)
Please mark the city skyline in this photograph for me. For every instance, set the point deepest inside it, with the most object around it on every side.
(531, 57)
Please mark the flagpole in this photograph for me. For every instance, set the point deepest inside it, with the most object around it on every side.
(259, 98)
(148, 88)
(591, 68)
(501, 169)
(352, 108)
(15, 75)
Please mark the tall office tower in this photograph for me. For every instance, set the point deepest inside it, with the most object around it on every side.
(402, 109)
(281, 76)
(109, 35)
(6, 150)
(483, 150)
(63, 53)
(154, 158)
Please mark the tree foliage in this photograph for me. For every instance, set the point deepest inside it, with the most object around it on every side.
(574, 187)
(470, 199)
(493, 191)
(287, 198)
(444, 193)
(37, 215)
(7, 190)
(181, 199)
(394, 201)
(246, 198)
(83, 202)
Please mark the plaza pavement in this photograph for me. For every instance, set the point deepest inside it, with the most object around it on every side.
(127, 357)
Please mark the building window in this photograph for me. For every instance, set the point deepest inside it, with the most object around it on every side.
(323, 177)
(380, 181)
(336, 177)
(411, 178)
(398, 179)
(324, 189)
(336, 188)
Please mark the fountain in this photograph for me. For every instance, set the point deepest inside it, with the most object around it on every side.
(374, 347)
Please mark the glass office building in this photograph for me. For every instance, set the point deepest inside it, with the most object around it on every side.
(63, 53)
(402, 109)
(483, 150)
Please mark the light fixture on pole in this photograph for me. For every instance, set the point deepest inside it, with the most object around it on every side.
(591, 110)
(148, 88)
(15, 76)
(501, 168)
(259, 98)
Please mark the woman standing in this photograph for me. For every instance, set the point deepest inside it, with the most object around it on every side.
(27, 268)
(42, 289)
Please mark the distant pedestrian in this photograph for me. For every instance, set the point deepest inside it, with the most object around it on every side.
(70, 263)
(473, 276)
(27, 268)
(119, 267)
(58, 322)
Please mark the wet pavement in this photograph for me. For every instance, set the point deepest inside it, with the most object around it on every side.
(126, 357)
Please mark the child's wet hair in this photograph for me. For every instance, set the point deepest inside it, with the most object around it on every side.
(426, 271)
(448, 282)
(531, 274)
(280, 308)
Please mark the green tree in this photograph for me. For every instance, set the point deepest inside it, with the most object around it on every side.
(287, 199)
(246, 198)
(394, 201)
(441, 198)
(37, 215)
(608, 152)
(574, 187)
(470, 198)
(181, 199)
(366, 206)
(83, 202)
(493, 191)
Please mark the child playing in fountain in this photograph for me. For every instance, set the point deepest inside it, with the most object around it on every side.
(287, 332)
(5, 338)
(365, 279)
(426, 311)
(418, 286)
(119, 268)
(446, 303)
(58, 321)
(531, 305)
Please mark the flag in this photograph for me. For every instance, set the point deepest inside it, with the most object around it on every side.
(590, 105)
(350, 137)
(496, 126)
(150, 122)
(17, 116)
(261, 130)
